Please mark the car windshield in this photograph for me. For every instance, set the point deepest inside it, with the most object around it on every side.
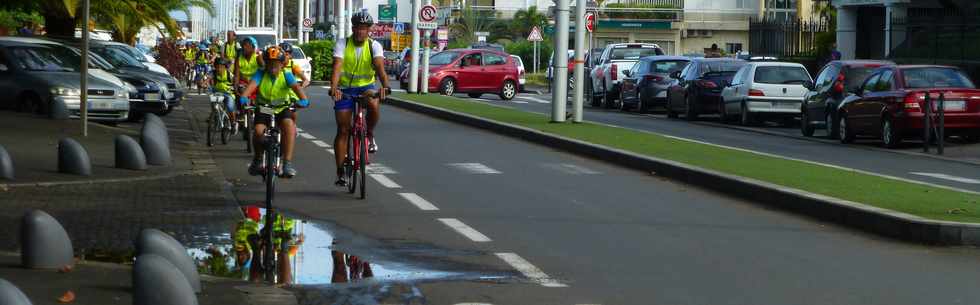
(855, 77)
(46, 58)
(781, 75)
(667, 66)
(263, 40)
(298, 53)
(131, 51)
(443, 58)
(633, 53)
(721, 67)
(117, 57)
(936, 78)
(99, 62)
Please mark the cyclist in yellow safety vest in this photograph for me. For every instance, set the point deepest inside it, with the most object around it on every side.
(358, 63)
(230, 48)
(296, 69)
(221, 83)
(246, 64)
(271, 87)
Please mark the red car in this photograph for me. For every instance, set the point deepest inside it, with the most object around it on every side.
(471, 71)
(890, 104)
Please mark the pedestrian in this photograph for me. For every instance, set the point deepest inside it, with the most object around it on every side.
(834, 53)
(26, 30)
(713, 52)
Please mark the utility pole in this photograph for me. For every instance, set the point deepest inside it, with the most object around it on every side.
(413, 77)
(560, 81)
(579, 60)
(425, 58)
(83, 103)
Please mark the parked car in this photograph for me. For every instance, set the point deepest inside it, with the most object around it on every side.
(143, 58)
(645, 85)
(488, 46)
(391, 62)
(520, 72)
(607, 77)
(299, 58)
(697, 88)
(763, 90)
(834, 81)
(472, 71)
(549, 73)
(35, 73)
(890, 104)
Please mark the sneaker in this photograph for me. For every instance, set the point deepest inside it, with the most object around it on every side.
(340, 182)
(287, 169)
(373, 145)
(255, 168)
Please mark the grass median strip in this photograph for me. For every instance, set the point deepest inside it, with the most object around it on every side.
(916, 199)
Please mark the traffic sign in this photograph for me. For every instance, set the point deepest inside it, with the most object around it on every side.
(320, 34)
(307, 29)
(590, 21)
(399, 28)
(428, 13)
(387, 12)
(308, 22)
(535, 34)
(427, 25)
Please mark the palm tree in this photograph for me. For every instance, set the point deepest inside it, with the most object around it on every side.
(524, 20)
(470, 22)
(124, 17)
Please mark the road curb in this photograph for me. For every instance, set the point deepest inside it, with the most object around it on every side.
(855, 215)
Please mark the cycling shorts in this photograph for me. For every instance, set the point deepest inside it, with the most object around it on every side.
(347, 102)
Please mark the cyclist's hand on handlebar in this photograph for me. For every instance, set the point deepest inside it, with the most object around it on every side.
(335, 94)
(303, 103)
(383, 93)
(243, 100)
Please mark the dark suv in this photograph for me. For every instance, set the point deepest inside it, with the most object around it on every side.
(835, 81)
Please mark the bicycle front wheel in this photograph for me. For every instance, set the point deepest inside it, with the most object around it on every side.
(212, 129)
(225, 128)
(249, 120)
(350, 167)
(362, 161)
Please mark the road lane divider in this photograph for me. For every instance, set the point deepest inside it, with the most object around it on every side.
(418, 201)
(948, 177)
(307, 136)
(465, 230)
(474, 168)
(529, 270)
(385, 181)
(321, 143)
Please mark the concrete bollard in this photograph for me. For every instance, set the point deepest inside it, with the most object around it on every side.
(6, 165)
(73, 159)
(11, 295)
(156, 281)
(153, 241)
(59, 111)
(155, 140)
(129, 154)
(44, 244)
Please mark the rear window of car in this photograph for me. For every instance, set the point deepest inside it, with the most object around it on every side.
(298, 53)
(781, 75)
(855, 76)
(634, 53)
(667, 66)
(936, 78)
(443, 58)
(727, 66)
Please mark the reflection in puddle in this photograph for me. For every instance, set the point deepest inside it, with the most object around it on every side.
(309, 251)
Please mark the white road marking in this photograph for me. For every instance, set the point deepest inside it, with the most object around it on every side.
(378, 168)
(399, 90)
(483, 99)
(948, 177)
(465, 230)
(419, 202)
(321, 143)
(474, 168)
(307, 136)
(299, 129)
(529, 270)
(534, 99)
(330, 150)
(519, 102)
(325, 87)
(570, 169)
(383, 180)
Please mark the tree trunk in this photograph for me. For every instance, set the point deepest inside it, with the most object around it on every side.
(58, 23)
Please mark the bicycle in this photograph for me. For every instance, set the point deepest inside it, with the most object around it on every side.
(201, 78)
(272, 166)
(357, 159)
(218, 120)
(247, 117)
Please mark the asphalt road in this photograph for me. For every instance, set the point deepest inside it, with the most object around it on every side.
(603, 233)
(785, 142)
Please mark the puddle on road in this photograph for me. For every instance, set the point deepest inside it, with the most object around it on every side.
(311, 254)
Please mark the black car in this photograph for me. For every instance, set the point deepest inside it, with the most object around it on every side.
(697, 89)
(646, 84)
(832, 85)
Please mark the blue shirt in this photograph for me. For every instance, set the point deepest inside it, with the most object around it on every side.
(290, 79)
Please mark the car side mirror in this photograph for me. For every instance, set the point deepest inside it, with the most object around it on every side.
(628, 73)
(675, 74)
(808, 85)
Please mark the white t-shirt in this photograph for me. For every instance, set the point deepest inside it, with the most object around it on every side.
(340, 46)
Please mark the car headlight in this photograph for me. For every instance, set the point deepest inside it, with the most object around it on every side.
(62, 91)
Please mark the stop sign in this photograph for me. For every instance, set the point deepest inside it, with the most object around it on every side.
(590, 21)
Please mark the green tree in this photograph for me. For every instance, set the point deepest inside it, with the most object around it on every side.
(471, 21)
(524, 20)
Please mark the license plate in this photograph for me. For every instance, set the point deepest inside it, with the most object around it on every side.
(950, 105)
(100, 105)
(787, 105)
(151, 97)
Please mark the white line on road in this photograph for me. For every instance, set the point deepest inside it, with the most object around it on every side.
(570, 169)
(325, 87)
(299, 129)
(378, 168)
(419, 202)
(474, 168)
(330, 150)
(321, 143)
(519, 102)
(467, 231)
(383, 180)
(399, 90)
(307, 136)
(948, 177)
(529, 270)
(534, 99)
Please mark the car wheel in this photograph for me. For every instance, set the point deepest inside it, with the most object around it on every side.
(639, 102)
(670, 107)
(447, 87)
(746, 117)
(509, 91)
(474, 95)
(832, 127)
(889, 134)
(846, 135)
(622, 102)
(805, 127)
(29, 104)
(722, 113)
(690, 109)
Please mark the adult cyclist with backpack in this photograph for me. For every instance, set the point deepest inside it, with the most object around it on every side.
(358, 63)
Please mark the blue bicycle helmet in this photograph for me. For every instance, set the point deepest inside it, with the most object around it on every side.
(250, 40)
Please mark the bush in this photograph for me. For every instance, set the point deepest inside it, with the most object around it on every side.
(171, 58)
(320, 53)
(525, 49)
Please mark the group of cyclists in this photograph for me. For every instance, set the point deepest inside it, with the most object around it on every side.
(246, 75)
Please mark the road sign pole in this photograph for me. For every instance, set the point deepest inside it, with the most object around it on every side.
(579, 60)
(83, 105)
(560, 95)
(413, 74)
(425, 61)
(535, 57)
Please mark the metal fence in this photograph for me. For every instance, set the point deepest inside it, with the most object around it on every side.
(939, 36)
(781, 38)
